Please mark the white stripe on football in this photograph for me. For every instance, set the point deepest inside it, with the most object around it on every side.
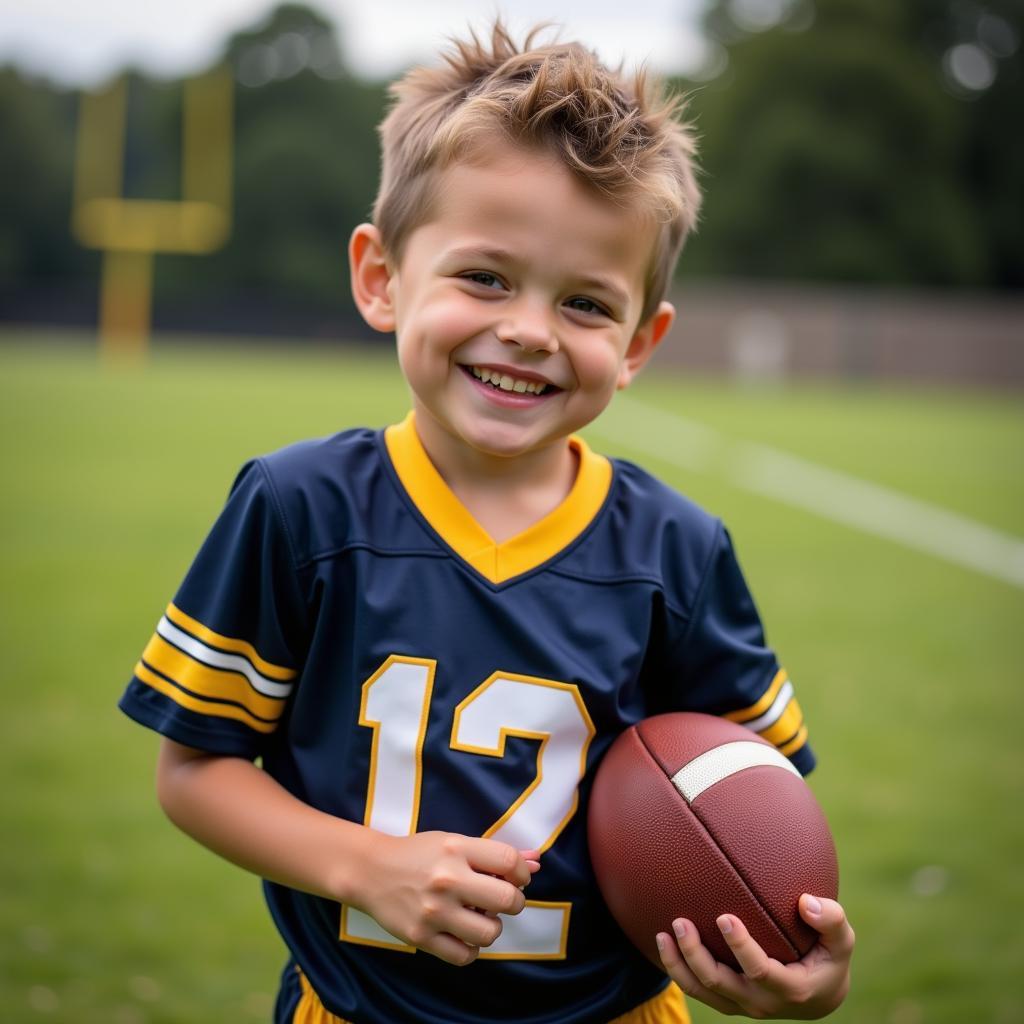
(719, 763)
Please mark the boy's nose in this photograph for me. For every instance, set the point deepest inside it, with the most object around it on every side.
(529, 325)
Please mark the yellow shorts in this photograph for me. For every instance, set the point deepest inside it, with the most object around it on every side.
(667, 1007)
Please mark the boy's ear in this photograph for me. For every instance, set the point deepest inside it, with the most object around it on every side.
(370, 274)
(643, 343)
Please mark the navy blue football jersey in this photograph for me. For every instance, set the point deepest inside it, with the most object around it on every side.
(350, 624)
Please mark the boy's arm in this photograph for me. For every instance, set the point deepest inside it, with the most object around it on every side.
(436, 890)
(766, 989)
(725, 667)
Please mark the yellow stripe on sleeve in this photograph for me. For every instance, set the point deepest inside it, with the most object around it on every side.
(211, 683)
(785, 725)
(227, 643)
(204, 707)
(795, 743)
(763, 703)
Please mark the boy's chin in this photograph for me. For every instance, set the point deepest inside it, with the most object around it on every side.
(510, 448)
(499, 441)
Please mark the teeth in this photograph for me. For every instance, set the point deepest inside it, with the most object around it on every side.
(507, 383)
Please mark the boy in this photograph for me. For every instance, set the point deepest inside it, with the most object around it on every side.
(430, 634)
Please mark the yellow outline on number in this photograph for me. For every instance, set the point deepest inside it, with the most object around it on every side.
(430, 664)
(563, 940)
(379, 936)
(130, 231)
(358, 940)
(542, 737)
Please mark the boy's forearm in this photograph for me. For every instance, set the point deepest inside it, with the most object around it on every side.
(235, 809)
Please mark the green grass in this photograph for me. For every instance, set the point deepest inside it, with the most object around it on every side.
(909, 670)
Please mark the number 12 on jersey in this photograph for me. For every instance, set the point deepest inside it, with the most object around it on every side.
(396, 705)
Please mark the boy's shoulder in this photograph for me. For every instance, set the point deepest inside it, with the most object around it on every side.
(648, 530)
(323, 489)
(318, 459)
(651, 498)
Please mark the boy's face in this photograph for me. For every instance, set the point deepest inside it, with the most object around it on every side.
(516, 306)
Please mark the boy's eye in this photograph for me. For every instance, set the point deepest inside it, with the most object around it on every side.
(582, 305)
(481, 277)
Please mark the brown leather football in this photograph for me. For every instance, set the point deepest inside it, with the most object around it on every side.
(695, 816)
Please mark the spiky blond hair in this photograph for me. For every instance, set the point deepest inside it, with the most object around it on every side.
(621, 135)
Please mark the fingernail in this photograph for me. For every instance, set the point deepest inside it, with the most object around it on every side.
(679, 927)
(724, 925)
(812, 906)
(662, 940)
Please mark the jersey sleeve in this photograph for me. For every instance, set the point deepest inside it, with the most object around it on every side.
(218, 671)
(725, 666)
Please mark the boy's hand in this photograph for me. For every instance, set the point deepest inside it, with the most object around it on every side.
(442, 892)
(805, 990)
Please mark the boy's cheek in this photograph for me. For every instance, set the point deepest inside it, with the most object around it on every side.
(598, 364)
(448, 321)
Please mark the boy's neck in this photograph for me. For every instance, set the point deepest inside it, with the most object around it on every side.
(504, 495)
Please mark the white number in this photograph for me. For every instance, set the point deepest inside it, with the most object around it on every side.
(395, 704)
(396, 701)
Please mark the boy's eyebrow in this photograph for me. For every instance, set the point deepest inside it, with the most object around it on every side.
(480, 252)
(494, 254)
(602, 284)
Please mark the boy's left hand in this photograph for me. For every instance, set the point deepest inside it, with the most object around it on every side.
(805, 990)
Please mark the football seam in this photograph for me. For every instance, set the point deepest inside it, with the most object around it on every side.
(707, 831)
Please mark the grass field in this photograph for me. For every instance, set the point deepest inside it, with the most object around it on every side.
(909, 669)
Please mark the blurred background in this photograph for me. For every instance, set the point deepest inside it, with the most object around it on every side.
(843, 386)
(863, 174)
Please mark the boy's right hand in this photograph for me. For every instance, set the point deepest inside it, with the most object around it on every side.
(442, 892)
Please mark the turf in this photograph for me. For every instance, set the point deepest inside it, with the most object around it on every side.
(908, 668)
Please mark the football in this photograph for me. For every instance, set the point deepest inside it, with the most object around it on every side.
(695, 816)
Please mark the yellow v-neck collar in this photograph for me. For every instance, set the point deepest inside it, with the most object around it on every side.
(456, 526)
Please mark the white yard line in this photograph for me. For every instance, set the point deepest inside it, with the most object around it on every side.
(829, 493)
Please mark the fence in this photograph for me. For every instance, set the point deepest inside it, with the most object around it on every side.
(763, 332)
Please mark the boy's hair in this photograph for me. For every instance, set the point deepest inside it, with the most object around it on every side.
(619, 134)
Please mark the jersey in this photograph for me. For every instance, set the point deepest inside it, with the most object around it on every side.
(350, 624)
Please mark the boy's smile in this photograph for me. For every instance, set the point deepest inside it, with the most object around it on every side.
(502, 379)
(516, 306)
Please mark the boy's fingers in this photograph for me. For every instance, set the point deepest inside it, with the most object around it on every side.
(532, 858)
(755, 963)
(716, 978)
(450, 949)
(474, 928)
(677, 969)
(492, 895)
(828, 918)
(494, 858)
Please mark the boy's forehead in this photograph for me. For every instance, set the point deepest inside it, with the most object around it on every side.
(503, 171)
(508, 195)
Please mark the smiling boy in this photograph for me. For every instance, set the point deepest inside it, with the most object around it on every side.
(429, 635)
(517, 307)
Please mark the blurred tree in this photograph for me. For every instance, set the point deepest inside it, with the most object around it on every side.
(306, 167)
(843, 140)
(36, 147)
(839, 143)
(992, 34)
(305, 170)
